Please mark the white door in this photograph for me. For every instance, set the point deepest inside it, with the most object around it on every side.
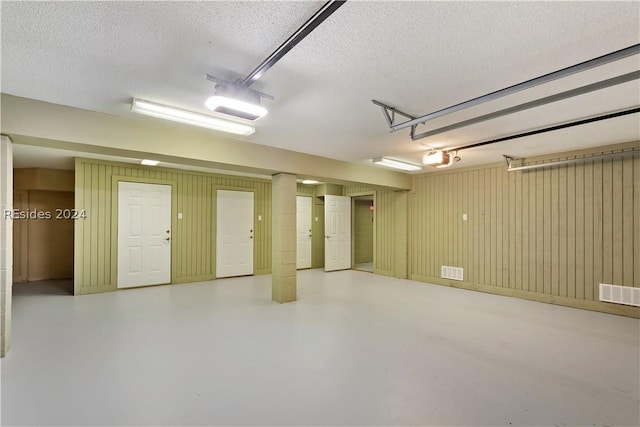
(234, 233)
(337, 227)
(303, 227)
(144, 234)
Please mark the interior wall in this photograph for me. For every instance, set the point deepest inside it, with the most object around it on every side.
(20, 242)
(43, 247)
(50, 240)
(363, 231)
(43, 179)
(193, 237)
(388, 228)
(551, 234)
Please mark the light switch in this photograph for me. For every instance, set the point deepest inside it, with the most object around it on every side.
(464, 217)
(259, 217)
(179, 215)
(316, 219)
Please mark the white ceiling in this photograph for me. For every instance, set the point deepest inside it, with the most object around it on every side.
(417, 56)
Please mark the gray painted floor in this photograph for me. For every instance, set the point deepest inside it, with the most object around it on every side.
(356, 349)
(365, 266)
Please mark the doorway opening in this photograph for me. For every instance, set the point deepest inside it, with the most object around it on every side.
(43, 231)
(363, 236)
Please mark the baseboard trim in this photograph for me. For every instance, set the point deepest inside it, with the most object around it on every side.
(599, 306)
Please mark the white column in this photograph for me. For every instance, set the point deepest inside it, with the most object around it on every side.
(6, 242)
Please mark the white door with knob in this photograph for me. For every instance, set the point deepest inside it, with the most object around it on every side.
(144, 234)
(234, 233)
(337, 230)
(303, 227)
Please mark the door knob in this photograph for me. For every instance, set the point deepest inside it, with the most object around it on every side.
(328, 237)
(251, 237)
(310, 235)
(167, 239)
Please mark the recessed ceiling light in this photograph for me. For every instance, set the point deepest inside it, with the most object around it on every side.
(148, 162)
(310, 181)
(396, 164)
(189, 117)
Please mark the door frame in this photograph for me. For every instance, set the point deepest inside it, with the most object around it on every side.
(214, 225)
(115, 180)
(353, 231)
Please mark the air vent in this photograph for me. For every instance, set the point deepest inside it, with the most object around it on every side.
(455, 273)
(620, 294)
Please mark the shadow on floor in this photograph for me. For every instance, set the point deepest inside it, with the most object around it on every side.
(44, 287)
(365, 266)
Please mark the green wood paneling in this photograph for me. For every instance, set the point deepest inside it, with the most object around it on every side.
(193, 237)
(549, 234)
(384, 226)
(362, 232)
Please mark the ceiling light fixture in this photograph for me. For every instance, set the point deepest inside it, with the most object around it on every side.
(189, 117)
(436, 158)
(310, 181)
(148, 162)
(236, 101)
(396, 164)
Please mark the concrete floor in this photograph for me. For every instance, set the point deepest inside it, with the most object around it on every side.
(364, 266)
(356, 349)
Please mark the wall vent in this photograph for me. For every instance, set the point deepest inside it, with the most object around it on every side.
(620, 294)
(455, 273)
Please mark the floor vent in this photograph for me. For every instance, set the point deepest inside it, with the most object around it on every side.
(455, 273)
(620, 294)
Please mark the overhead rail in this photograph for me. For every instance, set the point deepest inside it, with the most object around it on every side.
(583, 66)
(323, 13)
(634, 75)
(607, 116)
(619, 154)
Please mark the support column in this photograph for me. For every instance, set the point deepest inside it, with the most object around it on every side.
(283, 238)
(6, 241)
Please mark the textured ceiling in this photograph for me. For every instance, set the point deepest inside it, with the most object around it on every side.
(416, 56)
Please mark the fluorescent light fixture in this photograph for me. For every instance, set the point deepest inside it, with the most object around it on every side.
(396, 164)
(189, 117)
(148, 162)
(310, 181)
(235, 107)
(436, 158)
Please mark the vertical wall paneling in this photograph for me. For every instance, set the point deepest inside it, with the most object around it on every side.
(636, 222)
(384, 229)
(579, 230)
(193, 237)
(628, 185)
(516, 232)
(598, 241)
(571, 225)
(550, 234)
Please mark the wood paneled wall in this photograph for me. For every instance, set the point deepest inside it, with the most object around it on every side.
(193, 237)
(385, 231)
(550, 234)
(362, 231)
